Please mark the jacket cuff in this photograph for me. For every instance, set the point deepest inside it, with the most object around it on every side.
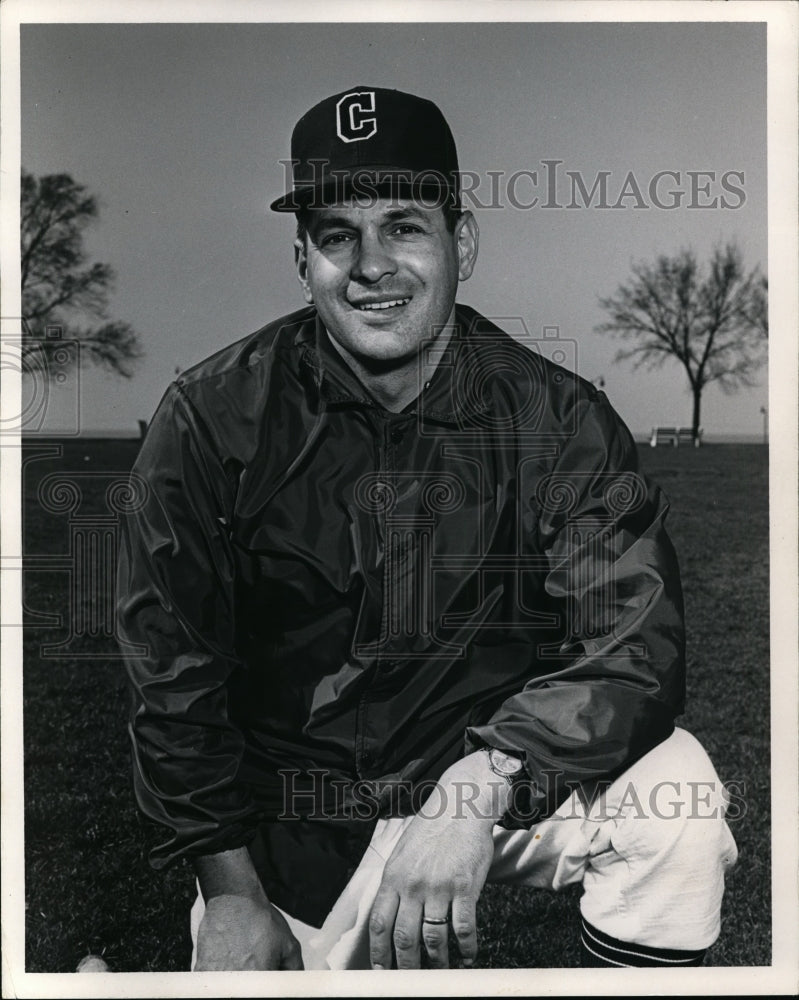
(167, 854)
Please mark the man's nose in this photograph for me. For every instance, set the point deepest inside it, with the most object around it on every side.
(373, 260)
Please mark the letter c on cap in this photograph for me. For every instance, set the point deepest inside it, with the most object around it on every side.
(352, 119)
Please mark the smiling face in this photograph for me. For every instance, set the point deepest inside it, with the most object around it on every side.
(383, 275)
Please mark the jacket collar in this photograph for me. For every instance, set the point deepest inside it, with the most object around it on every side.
(449, 397)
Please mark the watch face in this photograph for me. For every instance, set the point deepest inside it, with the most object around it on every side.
(503, 763)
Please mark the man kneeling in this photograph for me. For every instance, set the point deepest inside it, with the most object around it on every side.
(411, 618)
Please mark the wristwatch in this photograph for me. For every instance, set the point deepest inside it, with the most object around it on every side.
(502, 764)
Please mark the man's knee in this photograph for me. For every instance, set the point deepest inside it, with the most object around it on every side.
(661, 879)
(672, 802)
(681, 821)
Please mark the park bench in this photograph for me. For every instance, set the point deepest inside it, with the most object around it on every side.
(674, 436)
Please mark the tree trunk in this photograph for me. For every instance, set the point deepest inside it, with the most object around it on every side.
(697, 391)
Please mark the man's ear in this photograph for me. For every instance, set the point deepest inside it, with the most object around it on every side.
(301, 260)
(467, 233)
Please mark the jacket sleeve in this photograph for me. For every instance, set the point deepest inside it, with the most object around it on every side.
(608, 689)
(175, 603)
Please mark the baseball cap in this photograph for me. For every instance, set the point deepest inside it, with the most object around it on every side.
(368, 141)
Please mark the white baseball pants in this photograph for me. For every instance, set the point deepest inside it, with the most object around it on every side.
(651, 853)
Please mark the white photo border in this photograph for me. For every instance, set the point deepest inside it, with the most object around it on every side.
(782, 976)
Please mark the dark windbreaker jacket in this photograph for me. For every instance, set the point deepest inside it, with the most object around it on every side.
(323, 600)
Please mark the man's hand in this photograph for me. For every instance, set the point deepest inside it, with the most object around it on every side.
(438, 864)
(240, 929)
(240, 932)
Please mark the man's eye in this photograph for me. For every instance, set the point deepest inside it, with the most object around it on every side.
(332, 239)
(406, 228)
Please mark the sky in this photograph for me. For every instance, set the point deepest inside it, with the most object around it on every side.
(180, 130)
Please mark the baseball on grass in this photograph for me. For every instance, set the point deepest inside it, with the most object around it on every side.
(92, 963)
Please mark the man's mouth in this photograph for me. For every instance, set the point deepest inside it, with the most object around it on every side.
(382, 304)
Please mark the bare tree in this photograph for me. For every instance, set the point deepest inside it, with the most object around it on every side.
(713, 320)
(60, 288)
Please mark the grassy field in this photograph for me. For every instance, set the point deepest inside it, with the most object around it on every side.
(88, 884)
